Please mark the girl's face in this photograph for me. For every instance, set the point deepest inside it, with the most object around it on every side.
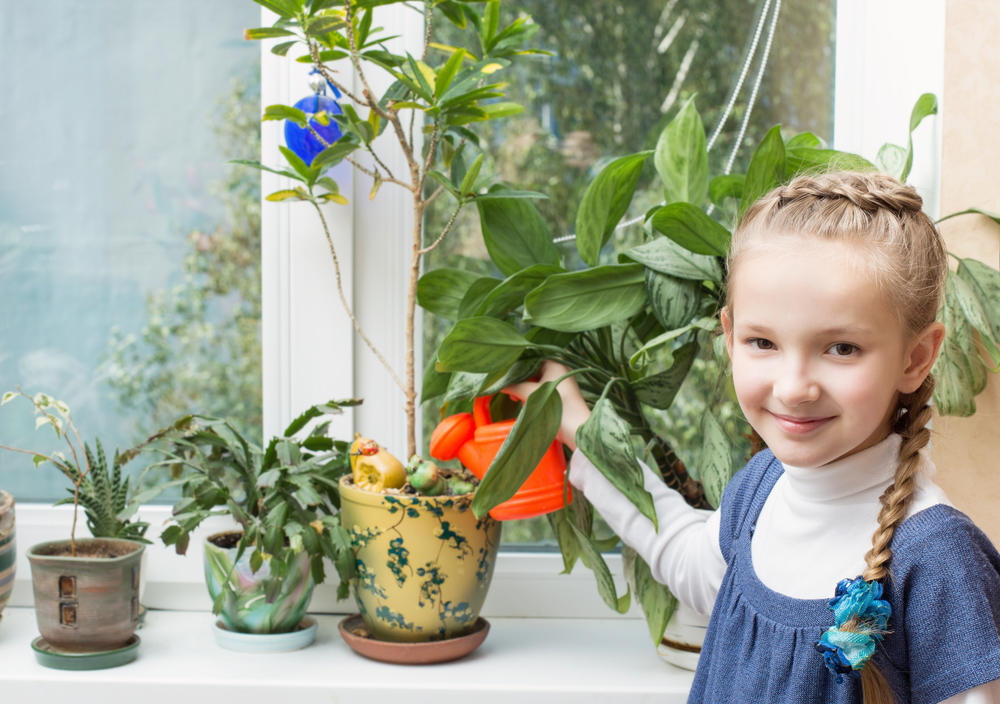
(818, 353)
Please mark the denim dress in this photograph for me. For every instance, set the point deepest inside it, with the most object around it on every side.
(944, 590)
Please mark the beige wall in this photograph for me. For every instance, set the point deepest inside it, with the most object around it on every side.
(967, 450)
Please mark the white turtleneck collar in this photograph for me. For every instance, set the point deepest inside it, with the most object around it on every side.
(791, 547)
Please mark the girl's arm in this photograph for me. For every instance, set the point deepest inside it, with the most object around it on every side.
(683, 552)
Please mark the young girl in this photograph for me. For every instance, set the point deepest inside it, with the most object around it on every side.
(834, 283)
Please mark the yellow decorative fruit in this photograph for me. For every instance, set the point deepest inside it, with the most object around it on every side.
(373, 467)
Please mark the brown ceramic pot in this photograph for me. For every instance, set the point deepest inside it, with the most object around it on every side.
(86, 604)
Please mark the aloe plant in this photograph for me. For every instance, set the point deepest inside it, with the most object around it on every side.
(631, 330)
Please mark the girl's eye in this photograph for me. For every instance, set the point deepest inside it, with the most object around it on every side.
(843, 349)
(760, 343)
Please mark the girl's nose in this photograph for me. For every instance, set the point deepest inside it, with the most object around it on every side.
(795, 386)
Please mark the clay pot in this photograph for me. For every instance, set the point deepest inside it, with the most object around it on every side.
(87, 604)
(423, 563)
(8, 548)
(245, 606)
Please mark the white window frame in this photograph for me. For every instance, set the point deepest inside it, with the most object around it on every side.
(311, 354)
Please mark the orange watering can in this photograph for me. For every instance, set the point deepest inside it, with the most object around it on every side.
(475, 439)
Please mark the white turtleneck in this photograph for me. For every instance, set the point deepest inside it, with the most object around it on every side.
(791, 550)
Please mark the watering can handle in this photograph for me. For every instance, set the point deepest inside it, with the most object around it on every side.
(481, 411)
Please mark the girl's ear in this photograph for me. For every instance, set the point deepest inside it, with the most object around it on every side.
(920, 356)
(727, 328)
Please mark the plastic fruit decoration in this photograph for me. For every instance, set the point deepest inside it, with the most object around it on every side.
(373, 467)
(428, 479)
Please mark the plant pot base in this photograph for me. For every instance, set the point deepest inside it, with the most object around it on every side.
(303, 635)
(48, 655)
(353, 631)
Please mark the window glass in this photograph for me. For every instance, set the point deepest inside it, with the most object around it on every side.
(618, 73)
(129, 249)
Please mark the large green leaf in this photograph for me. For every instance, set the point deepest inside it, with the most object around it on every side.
(476, 295)
(510, 293)
(984, 282)
(974, 311)
(767, 168)
(689, 227)
(441, 290)
(605, 582)
(725, 186)
(533, 432)
(434, 383)
(657, 602)
(809, 160)
(675, 301)
(682, 158)
(515, 233)
(716, 462)
(658, 390)
(605, 202)
(925, 106)
(664, 255)
(480, 345)
(569, 546)
(607, 442)
(959, 371)
(587, 299)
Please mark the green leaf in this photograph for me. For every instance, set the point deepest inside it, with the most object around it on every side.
(799, 160)
(587, 299)
(602, 575)
(716, 462)
(973, 310)
(641, 358)
(569, 546)
(8, 397)
(657, 602)
(474, 297)
(491, 22)
(681, 157)
(766, 170)
(510, 293)
(335, 153)
(804, 139)
(446, 73)
(725, 186)
(691, 228)
(285, 112)
(984, 282)
(295, 161)
(926, 105)
(523, 448)
(469, 180)
(464, 385)
(324, 25)
(433, 383)
(667, 257)
(284, 8)
(288, 194)
(266, 33)
(480, 345)
(959, 372)
(282, 48)
(515, 234)
(441, 290)
(605, 202)
(658, 390)
(675, 301)
(493, 111)
(891, 159)
(607, 442)
(261, 167)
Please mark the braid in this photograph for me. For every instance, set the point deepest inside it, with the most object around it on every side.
(911, 423)
(870, 193)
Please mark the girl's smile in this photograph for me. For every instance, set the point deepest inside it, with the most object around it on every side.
(818, 355)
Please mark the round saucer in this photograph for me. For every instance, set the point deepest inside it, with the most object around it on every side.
(353, 631)
(50, 656)
(303, 635)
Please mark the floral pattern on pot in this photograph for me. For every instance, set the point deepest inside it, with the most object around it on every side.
(8, 548)
(423, 564)
(246, 605)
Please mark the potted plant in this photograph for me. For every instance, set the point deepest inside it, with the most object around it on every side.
(449, 90)
(8, 548)
(283, 499)
(633, 331)
(87, 589)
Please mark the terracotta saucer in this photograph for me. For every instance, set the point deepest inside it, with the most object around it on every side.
(353, 631)
(50, 656)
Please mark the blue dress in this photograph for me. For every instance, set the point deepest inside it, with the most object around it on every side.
(944, 590)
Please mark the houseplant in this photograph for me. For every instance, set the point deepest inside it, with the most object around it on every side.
(282, 498)
(633, 331)
(87, 590)
(8, 548)
(448, 89)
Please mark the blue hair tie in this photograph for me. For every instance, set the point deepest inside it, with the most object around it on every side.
(845, 652)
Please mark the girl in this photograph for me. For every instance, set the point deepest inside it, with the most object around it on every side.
(834, 283)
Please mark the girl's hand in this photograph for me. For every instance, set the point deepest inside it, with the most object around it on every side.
(575, 410)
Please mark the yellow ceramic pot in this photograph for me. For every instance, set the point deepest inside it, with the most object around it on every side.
(423, 563)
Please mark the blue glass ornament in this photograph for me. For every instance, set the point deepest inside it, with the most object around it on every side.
(303, 142)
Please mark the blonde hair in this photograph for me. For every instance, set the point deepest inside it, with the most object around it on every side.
(907, 259)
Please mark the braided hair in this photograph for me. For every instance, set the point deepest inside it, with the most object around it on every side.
(905, 254)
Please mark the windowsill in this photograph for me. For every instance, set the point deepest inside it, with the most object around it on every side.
(532, 659)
